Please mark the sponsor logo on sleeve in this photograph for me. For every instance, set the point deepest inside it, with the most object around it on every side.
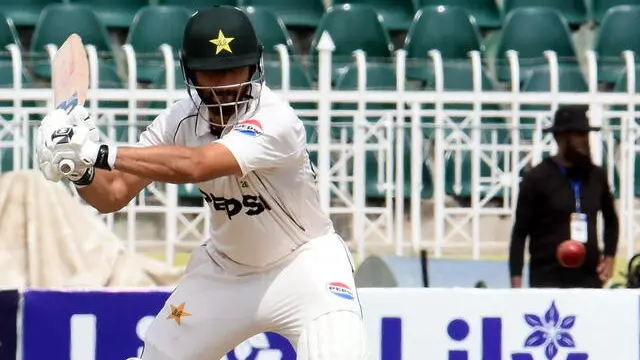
(249, 127)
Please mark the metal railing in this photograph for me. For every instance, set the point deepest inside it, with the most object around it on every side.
(475, 144)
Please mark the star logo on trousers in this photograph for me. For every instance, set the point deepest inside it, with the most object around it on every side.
(177, 312)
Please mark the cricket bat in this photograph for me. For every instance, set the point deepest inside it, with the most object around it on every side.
(70, 81)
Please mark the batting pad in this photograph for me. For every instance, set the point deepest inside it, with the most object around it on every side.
(338, 335)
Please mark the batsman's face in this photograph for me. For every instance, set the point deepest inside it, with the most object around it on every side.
(222, 87)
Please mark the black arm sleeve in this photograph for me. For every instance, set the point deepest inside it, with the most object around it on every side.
(611, 225)
(521, 226)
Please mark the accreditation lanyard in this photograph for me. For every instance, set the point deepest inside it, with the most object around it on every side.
(576, 185)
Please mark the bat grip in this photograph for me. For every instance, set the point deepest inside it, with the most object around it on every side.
(66, 166)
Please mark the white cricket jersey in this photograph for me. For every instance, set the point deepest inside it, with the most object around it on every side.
(261, 217)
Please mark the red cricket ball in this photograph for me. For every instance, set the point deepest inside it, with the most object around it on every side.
(571, 253)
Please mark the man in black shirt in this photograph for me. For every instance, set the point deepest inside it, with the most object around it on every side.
(557, 198)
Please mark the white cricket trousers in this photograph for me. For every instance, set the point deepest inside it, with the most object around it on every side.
(310, 298)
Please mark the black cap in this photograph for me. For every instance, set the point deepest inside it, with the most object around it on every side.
(218, 38)
(571, 118)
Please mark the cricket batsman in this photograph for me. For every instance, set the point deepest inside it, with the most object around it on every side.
(273, 261)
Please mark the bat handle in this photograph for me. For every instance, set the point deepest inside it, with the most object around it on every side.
(66, 166)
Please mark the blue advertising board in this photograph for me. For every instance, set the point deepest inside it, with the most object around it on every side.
(401, 324)
(483, 324)
(9, 300)
(99, 325)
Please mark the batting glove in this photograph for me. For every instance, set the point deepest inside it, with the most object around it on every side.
(76, 144)
(53, 141)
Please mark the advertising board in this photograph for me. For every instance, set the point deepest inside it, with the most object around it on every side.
(9, 300)
(482, 324)
(109, 325)
(401, 324)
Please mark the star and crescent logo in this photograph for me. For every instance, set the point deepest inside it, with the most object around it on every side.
(177, 313)
(222, 43)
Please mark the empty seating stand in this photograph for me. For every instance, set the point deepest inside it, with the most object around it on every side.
(300, 13)
(114, 13)
(531, 32)
(24, 12)
(618, 31)
(57, 22)
(396, 14)
(485, 12)
(152, 27)
(352, 27)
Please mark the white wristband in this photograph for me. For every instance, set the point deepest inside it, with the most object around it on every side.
(95, 155)
(113, 150)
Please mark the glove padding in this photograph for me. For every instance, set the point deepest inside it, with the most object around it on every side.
(55, 141)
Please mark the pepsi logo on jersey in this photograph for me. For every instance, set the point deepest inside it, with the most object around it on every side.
(254, 205)
(340, 290)
(249, 127)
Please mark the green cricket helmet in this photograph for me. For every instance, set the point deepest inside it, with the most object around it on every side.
(216, 39)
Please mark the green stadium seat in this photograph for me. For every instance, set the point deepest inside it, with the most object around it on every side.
(160, 81)
(574, 11)
(600, 7)
(270, 29)
(374, 189)
(618, 31)
(114, 13)
(300, 13)
(461, 187)
(621, 83)
(298, 80)
(189, 192)
(24, 12)
(485, 12)
(451, 30)
(108, 78)
(196, 4)
(8, 34)
(458, 76)
(570, 79)
(396, 14)
(427, 176)
(379, 77)
(6, 80)
(57, 22)
(531, 32)
(298, 77)
(352, 27)
(153, 26)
